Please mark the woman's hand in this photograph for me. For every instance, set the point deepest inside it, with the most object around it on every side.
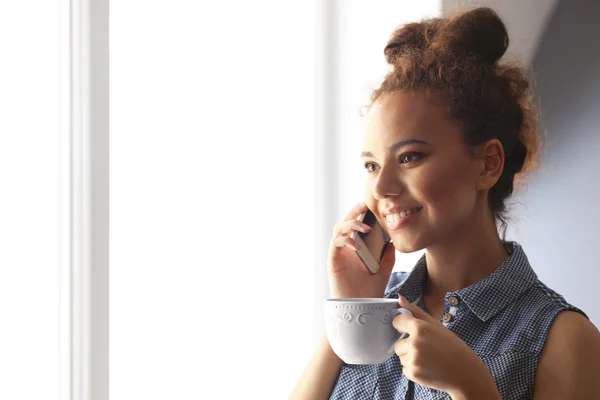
(348, 276)
(434, 356)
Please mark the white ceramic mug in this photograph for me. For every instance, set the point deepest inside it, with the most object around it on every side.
(360, 330)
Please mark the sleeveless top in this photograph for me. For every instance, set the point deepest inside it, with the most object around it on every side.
(504, 318)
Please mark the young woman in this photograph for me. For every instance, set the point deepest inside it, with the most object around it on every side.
(448, 133)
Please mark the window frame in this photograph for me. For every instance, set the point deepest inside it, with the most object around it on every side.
(84, 200)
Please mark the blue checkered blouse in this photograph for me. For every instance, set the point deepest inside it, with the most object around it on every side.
(505, 318)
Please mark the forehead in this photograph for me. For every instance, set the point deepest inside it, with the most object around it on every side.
(406, 115)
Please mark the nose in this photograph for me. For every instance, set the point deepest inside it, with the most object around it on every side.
(387, 184)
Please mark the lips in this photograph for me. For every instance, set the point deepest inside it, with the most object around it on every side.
(398, 219)
(398, 209)
(395, 216)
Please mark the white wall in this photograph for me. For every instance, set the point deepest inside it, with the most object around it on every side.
(29, 202)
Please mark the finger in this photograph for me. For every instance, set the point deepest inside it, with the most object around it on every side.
(403, 347)
(355, 211)
(404, 323)
(345, 228)
(345, 241)
(417, 311)
(337, 245)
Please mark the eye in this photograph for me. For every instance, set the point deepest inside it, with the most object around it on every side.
(370, 167)
(411, 156)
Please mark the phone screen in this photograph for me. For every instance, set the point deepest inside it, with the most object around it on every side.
(377, 239)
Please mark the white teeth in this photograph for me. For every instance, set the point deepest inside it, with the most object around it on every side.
(396, 216)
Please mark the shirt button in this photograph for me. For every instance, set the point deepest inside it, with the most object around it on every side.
(453, 300)
(447, 317)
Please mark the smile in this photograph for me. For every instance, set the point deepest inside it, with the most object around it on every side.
(399, 219)
(396, 216)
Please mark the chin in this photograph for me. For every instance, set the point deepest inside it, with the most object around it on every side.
(404, 246)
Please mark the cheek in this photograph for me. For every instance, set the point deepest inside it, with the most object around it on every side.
(447, 190)
(368, 195)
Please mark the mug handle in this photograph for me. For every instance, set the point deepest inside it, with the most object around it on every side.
(395, 313)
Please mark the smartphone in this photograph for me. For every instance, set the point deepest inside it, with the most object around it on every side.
(373, 243)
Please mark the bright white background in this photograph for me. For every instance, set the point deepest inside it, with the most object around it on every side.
(29, 200)
(212, 197)
(214, 179)
(213, 149)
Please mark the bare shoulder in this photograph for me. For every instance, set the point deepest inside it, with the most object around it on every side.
(570, 360)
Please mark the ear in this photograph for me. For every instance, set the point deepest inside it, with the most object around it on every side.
(491, 163)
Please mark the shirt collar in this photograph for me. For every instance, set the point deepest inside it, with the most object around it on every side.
(486, 297)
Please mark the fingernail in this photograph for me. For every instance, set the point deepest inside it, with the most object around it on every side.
(402, 299)
(367, 227)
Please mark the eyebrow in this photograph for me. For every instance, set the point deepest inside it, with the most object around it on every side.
(397, 146)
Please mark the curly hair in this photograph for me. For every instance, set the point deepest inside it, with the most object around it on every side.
(456, 59)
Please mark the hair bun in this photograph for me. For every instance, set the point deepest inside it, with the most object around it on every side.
(479, 31)
(415, 35)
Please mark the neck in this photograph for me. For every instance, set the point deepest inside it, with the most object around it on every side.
(463, 259)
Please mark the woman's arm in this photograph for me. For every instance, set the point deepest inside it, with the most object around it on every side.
(320, 375)
(569, 364)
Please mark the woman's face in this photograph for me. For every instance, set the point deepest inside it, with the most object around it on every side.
(416, 158)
